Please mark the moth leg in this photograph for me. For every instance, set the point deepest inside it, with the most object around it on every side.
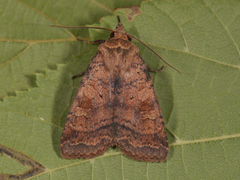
(78, 75)
(155, 70)
(92, 42)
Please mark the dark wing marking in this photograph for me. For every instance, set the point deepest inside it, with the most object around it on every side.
(88, 129)
(138, 120)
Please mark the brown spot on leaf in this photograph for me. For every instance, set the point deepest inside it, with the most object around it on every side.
(135, 11)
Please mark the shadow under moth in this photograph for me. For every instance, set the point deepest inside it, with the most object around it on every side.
(115, 105)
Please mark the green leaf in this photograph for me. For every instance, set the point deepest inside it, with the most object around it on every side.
(200, 107)
(28, 44)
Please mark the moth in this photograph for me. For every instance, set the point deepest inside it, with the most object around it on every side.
(115, 105)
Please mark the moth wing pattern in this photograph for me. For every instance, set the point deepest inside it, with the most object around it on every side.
(138, 119)
(116, 104)
(88, 128)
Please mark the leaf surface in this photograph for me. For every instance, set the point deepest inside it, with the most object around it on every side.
(200, 107)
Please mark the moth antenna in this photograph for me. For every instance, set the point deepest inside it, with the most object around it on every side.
(78, 27)
(153, 52)
(91, 27)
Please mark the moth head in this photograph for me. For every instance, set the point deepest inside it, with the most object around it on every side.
(120, 33)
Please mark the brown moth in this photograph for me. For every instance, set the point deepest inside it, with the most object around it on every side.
(115, 105)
